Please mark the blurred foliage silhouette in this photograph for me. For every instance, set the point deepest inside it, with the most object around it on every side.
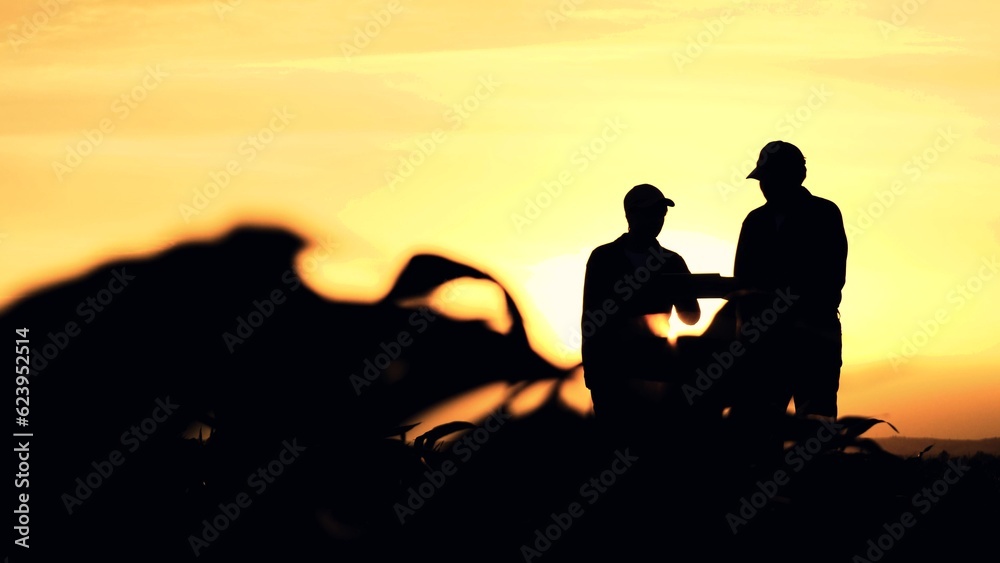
(272, 416)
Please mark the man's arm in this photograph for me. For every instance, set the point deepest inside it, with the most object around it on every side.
(832, 254)
(593, 290)
(822, 272)
(687, 307)
(742, 265)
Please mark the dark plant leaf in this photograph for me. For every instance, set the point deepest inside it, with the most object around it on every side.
(856, 425)
(401, 431)
(430, 438)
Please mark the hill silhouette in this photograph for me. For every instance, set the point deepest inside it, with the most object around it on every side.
(206, 404)
(911, 446)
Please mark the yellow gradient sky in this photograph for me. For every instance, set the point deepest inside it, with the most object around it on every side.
(403, 126)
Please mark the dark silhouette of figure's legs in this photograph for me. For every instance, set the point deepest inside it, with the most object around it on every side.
(626, 415)
(816, 377)
(614, 412)
(791, 362)
(761, 396)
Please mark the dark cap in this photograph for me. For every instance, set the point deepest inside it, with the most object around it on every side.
(777, 156)
(646, 196)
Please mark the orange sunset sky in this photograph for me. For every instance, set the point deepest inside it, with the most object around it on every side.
(505, 135)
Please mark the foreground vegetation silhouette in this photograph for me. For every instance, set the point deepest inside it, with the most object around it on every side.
(171, 425)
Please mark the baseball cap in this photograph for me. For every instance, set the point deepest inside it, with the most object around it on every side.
(646, 196)
(777, 156)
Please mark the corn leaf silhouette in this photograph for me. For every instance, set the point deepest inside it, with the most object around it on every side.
(429, 439)
(401, 431)
(857, 425)
(424, 272)
(848, 436)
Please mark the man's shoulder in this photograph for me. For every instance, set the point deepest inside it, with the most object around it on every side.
(660, 253)
(668, 259)
(668, 254)
(757, 214)
(607, 251)
(812, 204)
(678, 265)
(614, 246)
(823, 205)
(616, 250)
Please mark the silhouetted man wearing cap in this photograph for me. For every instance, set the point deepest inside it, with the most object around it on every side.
(622, 284)
(794, 250)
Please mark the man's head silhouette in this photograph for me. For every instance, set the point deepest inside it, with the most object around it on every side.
(780, 167)
(645, 210)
